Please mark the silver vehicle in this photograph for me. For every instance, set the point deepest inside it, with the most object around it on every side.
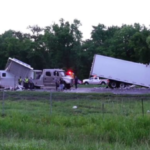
(48, 77)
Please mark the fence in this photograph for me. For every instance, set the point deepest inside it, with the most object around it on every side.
(48, 103)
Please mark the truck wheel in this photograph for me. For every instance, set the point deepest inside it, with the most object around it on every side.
(113, 84)
(122, 85)
(33, 86)
(86, 83)
(103, 83)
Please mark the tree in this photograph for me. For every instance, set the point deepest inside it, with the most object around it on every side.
(64, 44)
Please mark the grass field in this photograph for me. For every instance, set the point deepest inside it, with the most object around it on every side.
(43, 121)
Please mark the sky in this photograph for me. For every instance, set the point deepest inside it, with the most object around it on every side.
(19, 14)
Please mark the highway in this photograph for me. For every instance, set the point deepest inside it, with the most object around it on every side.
(101, 90)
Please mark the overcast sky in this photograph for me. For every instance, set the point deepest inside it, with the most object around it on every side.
(19, 14)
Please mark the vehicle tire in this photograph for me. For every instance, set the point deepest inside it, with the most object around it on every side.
(113, 84)
(33, 86)
(122, 85)
(86, 83)
(103, 83)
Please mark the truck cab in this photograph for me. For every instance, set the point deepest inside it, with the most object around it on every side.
(48, 77)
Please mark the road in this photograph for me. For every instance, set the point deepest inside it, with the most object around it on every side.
(103, 90)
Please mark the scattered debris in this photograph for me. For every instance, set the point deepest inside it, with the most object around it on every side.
(74, 107)
(19, 88)
(130, 87)
(9, 88)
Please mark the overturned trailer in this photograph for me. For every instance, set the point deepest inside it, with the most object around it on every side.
(13, 70)
(120, 72)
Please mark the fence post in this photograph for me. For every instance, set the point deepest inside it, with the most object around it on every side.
(142, 107)
(50, 102)
(3, 104)
(103, 109)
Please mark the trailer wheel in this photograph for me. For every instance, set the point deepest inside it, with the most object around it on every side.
(113, 84)
(122, 85)
(103, 83)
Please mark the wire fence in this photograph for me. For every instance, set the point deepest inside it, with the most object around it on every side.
(48, 103)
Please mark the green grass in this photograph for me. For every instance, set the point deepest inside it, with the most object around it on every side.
(101, 122)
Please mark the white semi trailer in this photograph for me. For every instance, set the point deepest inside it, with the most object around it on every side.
(13, 71)
(120, 72)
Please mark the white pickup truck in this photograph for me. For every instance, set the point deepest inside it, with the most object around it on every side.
(95, 80)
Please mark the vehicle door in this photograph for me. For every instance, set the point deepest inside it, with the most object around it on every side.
(47, 78)
(91, 80)
(95, 80)
(56, 77)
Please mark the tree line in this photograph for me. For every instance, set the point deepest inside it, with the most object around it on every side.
(62, 46)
